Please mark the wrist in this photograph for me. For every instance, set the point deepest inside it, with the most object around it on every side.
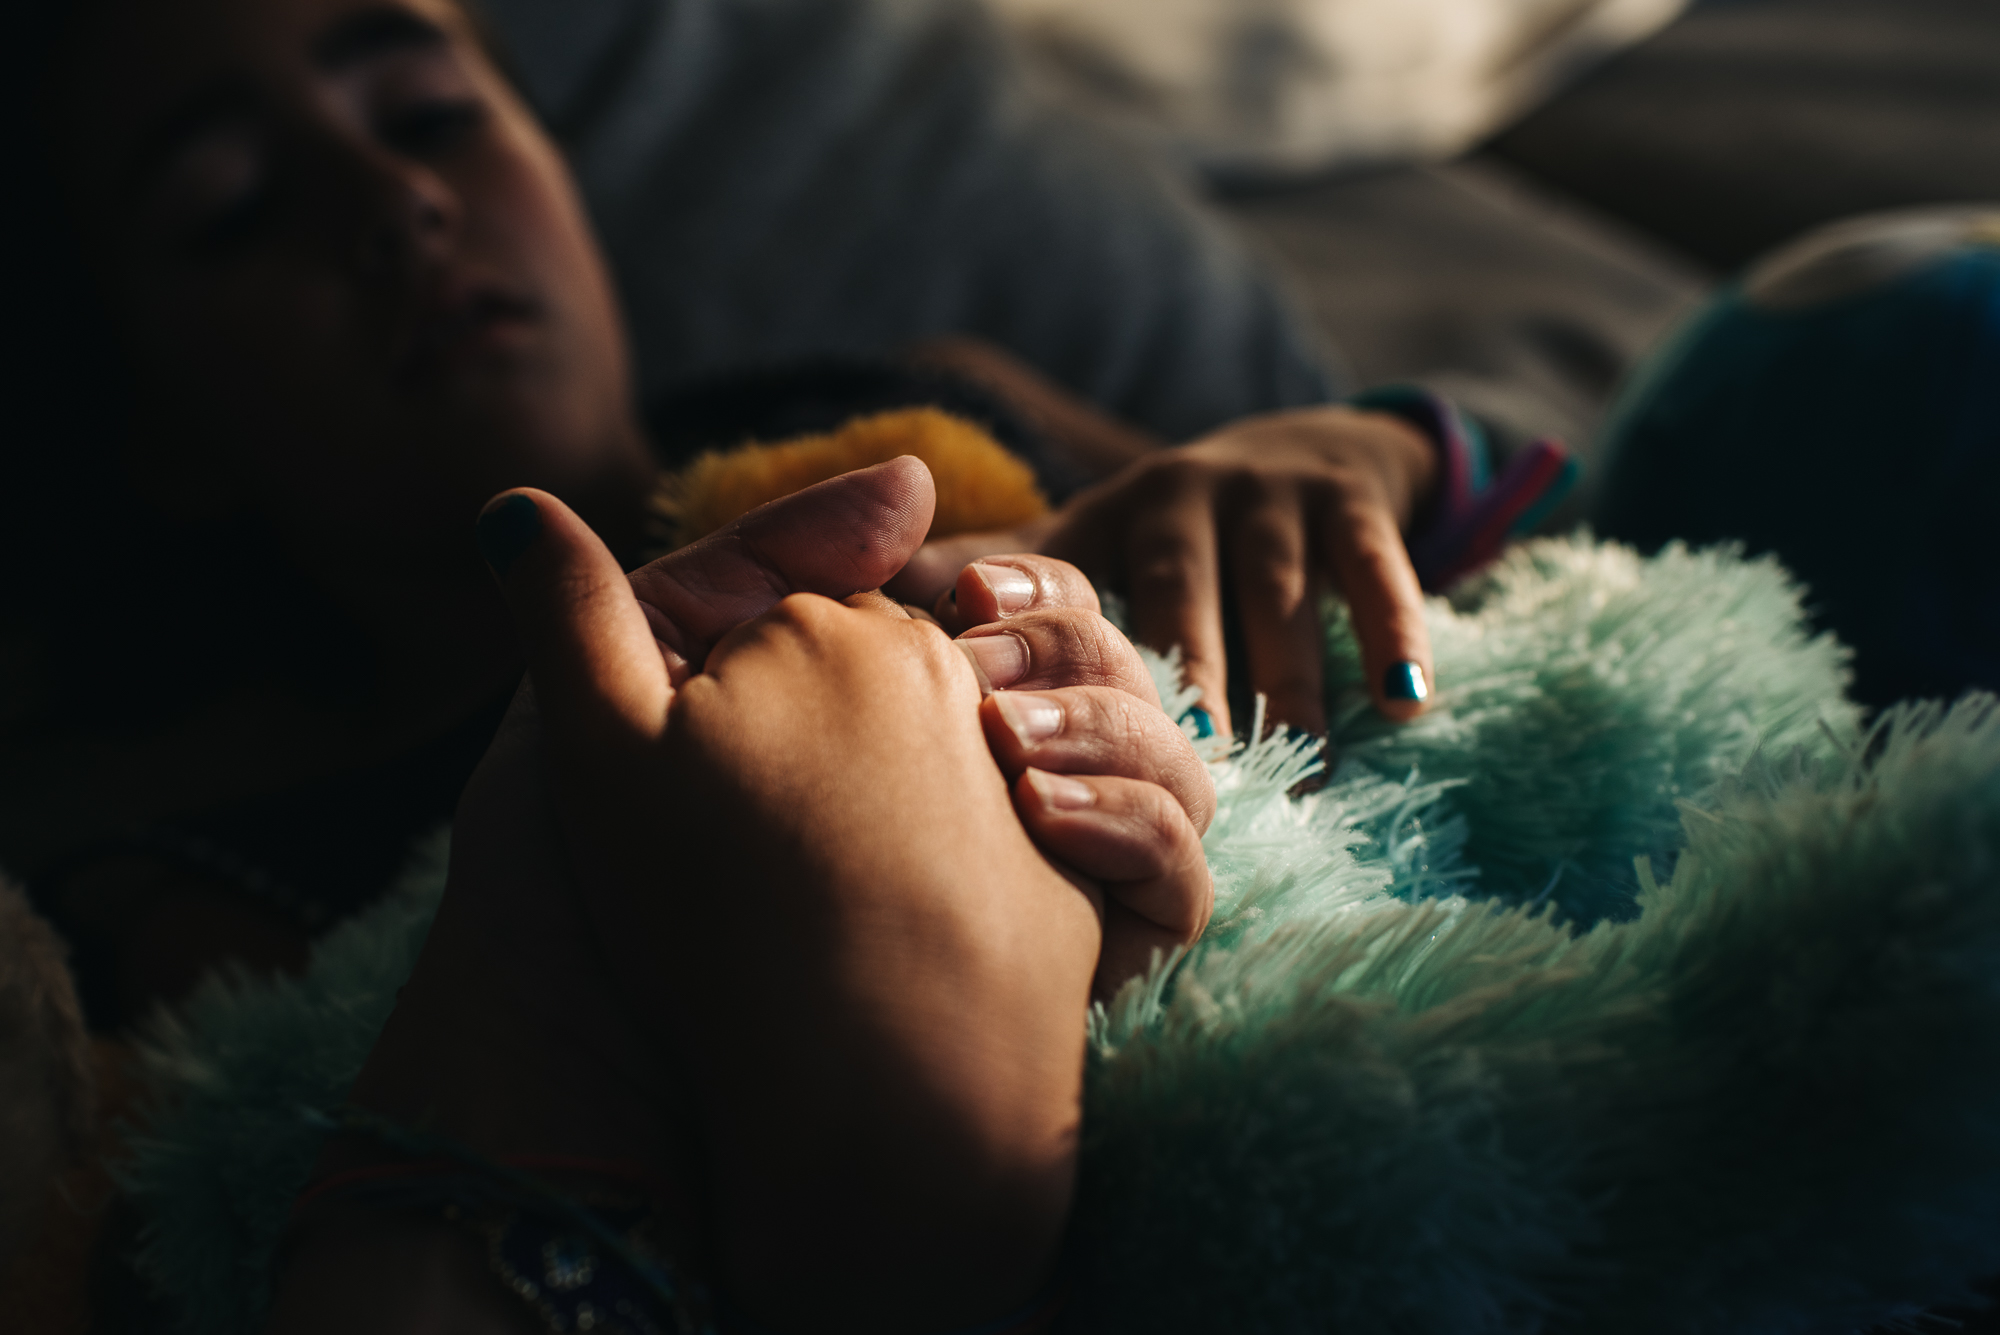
(1470, 513)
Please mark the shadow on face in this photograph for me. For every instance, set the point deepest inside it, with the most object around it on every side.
(350, 275)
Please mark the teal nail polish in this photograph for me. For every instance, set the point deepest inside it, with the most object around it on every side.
(1204, 726)
(1404, 681)
(505, 531)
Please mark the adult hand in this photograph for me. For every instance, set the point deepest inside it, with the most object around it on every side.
(805, 873)
(1106, 783)
(511, 1034)
(1279, 506)
(1268, 511)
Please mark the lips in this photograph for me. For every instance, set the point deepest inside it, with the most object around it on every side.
(457, 322)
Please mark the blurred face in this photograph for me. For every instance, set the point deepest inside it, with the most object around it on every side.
(352, 273)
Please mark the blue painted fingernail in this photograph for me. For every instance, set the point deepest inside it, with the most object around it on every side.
(1404, 681)
(506, 530)
(1204, 726)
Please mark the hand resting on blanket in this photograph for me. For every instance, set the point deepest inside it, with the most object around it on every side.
(771, 933)
(1268, 511)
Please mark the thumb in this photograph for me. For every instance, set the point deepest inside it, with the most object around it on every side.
(835, 538)
(598, 673)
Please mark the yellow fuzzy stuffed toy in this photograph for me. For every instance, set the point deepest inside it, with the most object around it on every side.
(980, 485)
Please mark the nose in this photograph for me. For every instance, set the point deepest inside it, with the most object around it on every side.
(405, 214)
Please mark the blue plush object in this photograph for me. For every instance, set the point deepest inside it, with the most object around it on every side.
(1840, 407)
(1399, 1087)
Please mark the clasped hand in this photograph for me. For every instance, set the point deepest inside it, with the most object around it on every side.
(754, 868)
(1104, 783)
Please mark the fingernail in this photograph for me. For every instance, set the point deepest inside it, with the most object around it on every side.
(1012, 590)
(506, 529)
(1404, 681)
(1204, 722)
(1032, 718)
(978, 672)
(1001, 660)
(1060, 793)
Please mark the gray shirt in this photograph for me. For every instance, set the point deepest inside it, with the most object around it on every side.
(776, 179)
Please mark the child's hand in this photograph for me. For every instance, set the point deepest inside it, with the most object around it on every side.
(1103, 779)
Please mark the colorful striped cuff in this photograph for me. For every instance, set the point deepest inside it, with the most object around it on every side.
(1474, 514)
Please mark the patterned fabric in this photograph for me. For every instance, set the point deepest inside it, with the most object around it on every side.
(594, 1260)
(1475, 514)
(567, 1279)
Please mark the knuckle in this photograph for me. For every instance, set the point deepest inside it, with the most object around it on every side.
(1082, 649)
(1133, 726)
(1166, 535)
(1179, 471)
(1078, 647)
(1263, 495)
(1275, 584)
(1165, 569)
(1166, 824)
(1271, 533)
(935, 649)
(1194, 789)
(1063, 584)
(804, 610)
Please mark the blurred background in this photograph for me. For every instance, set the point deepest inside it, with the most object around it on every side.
(1628, 161)
(1509, 199)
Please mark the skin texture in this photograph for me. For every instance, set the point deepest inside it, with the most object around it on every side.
(359, 295)
(1267, 513)
(674, 920)
(1103, 780)
(345, 258)
(345, 261)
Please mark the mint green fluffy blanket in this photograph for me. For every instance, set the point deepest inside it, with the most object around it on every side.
(1634, 988)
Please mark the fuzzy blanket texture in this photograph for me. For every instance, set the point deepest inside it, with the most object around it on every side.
(1636, 987)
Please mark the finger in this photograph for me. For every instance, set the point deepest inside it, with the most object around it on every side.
(836, 538)
(1153, 886)
(999, 587)
(1373, 568)
(1132, 944)
(1092, 730)
(1170, 570)
(597, 671)
(1132, 838)
(1268, 563)
(1047, 650)
(930, 572)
